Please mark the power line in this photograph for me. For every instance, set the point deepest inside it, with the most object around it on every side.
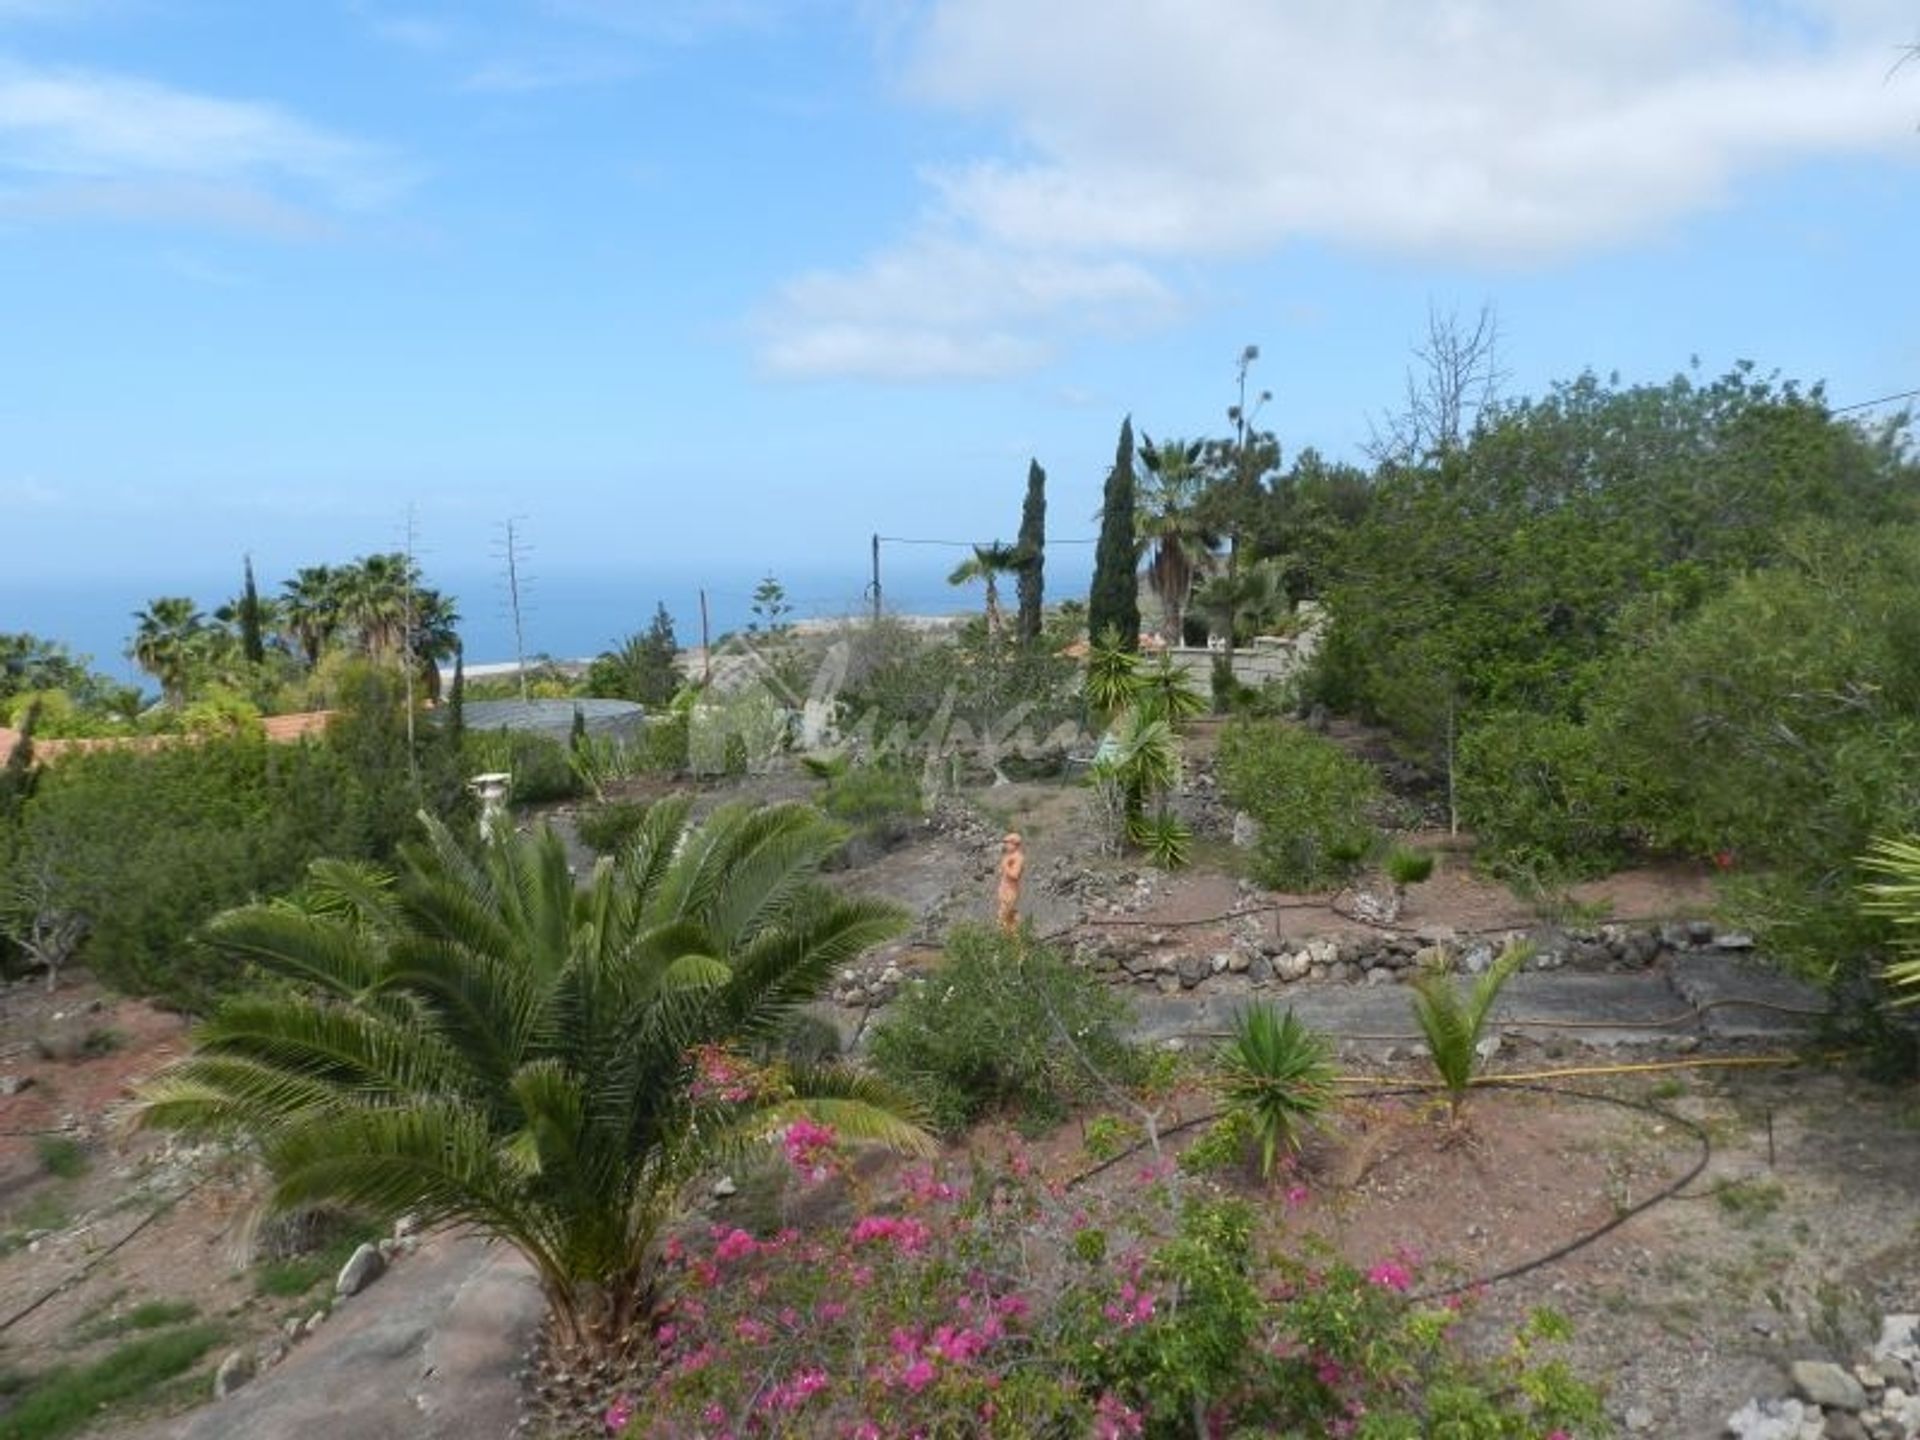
(1869, 404)
(966, 544)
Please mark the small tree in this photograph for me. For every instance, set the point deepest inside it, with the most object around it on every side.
(253, 643)
(1115, 598)
(1033, 554)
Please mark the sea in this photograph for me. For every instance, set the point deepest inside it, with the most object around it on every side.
(566, 615)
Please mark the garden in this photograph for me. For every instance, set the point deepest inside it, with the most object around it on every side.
(1460, 996)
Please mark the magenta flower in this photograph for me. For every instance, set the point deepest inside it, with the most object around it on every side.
(1389, 1275)
(618, 1415)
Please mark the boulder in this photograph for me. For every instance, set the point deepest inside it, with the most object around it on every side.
(235, 1370)
(363, 1267)
(1822, 1383)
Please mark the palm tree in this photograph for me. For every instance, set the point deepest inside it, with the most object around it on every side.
(164, 643)
(988, 563)
(1257, 592)
(310, 610)
(482, 1042)
(1177, 544)
(374, 601)
(435, 637)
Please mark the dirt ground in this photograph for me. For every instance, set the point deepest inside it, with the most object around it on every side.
(1798, 1233)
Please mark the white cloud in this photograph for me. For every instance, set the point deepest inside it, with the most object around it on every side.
(80, 142)
(1485, 131)
(935, 308)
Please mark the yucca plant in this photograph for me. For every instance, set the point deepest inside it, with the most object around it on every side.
(482, 1041)
(1165, 838)
(1277, 1077)
(1898, 899)
(1453, 1025)
(1111, 668)
(1164, 691)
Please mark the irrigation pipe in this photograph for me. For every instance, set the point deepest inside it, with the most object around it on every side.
(94, 1263)
(1529, 1082)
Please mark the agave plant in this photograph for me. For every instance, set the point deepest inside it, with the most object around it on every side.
(1277, 1077)
(481, 1041)
(1165, 838)
(1453, 1025)
(1897, 897)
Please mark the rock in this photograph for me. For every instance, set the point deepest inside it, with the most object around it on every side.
(1239, 962)
(724, 1188)
(1293, 967)
(1245, 833)
(1477, 960)
(1219, 963)
(1638, 1419)
(235, 1371)
(1379, 975)
(1899, 1338)
(363, 1267)
(1733, 940)
(292, 1329)
(14, 1084)
(314, 1322)
(1699, 932)
(1260, 971)
(1435, 935)
(1767, 1420)
(1821, 1382)
(1169, 984)
(1843, 1426)
(405, 1226)
(1192, 970)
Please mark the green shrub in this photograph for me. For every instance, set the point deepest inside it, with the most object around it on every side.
(1004, 1022)
(61, 1156)
(1405, 866)
(1539, 795)
(1311, 799)
(866, 795)
(606, 828)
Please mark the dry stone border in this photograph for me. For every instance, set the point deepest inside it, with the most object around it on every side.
(1878, 1398)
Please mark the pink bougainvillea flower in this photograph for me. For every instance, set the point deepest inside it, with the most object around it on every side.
(735, 1245)
(618, 1415)
(917, 1376)
(1390, 1275)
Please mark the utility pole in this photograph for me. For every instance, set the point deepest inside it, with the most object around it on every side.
(706, 644)
(875, 586)
(514, 551)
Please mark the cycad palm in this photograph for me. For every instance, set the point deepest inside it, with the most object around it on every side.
(483, 1042)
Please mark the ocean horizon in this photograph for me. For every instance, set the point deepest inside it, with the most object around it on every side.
(565, 616)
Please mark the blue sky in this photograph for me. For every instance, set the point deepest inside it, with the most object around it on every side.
(700, 290)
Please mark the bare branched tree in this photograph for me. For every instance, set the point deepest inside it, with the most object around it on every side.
(34, 918)
(1455, 377)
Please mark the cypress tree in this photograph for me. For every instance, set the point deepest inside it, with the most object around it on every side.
(252, 642)
(1033, 553)
(1115, 599)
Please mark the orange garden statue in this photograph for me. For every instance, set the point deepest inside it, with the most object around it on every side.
(1013, 864)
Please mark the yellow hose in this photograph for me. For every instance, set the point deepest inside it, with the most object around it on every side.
(1639, 1067)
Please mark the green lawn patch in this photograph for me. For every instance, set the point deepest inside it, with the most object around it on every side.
(69, 1399)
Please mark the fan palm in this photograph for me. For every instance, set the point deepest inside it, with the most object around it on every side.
(164, 643)
(310, 610)
(988, 563)
(479, 1041)
(1177, 543)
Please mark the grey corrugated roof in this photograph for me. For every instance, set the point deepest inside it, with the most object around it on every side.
(554, 717)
